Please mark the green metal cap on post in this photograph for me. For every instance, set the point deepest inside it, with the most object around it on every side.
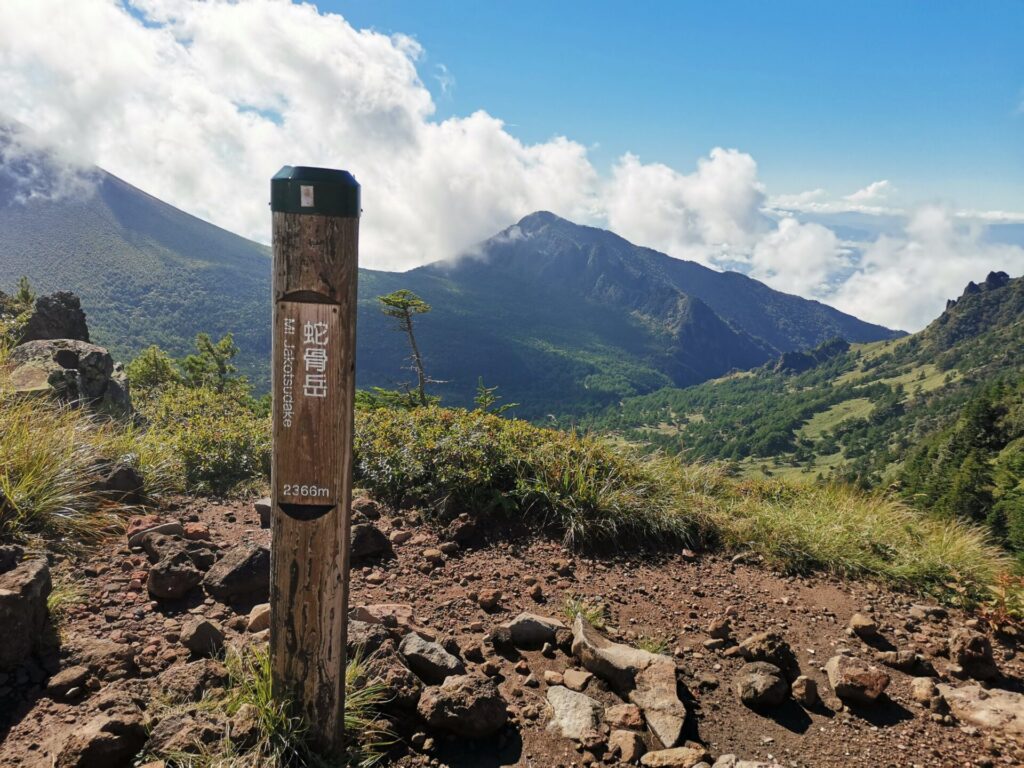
(317, 191)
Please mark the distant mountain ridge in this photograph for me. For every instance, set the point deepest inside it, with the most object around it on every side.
(564, 318)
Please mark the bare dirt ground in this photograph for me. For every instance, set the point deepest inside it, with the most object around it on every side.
(668, 600)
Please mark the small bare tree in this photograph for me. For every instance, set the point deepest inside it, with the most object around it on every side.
(402, 305)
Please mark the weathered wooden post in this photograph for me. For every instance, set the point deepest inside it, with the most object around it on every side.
(316, 247)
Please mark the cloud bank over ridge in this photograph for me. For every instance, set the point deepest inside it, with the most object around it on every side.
(174, 97)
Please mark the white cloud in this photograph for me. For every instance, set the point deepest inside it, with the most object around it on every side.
(688, 215)
(797, 258)
(201, 104)
(874, 192)
(904, 281)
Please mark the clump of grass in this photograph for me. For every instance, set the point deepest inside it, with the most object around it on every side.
(657, 645)
(839, 529)
(593, 612)
(65, 595)
(282, 738)
(50, 460)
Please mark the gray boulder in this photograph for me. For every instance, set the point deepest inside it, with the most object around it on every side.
(429, 660)
(973, 652)
(646, 679)
(173, 577)
(368, 542)
(992, 709)
(529, 630)
(243, 573)
(761, 684)
(70, 371)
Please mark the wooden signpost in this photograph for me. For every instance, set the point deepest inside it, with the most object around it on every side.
(316, 247)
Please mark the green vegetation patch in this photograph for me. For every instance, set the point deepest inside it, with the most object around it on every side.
(819, 423)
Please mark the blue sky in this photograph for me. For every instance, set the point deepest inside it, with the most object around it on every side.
(926, 94)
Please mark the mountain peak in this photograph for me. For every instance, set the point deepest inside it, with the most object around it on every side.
(537, 220)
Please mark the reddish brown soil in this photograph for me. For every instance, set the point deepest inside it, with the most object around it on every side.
(669, 599)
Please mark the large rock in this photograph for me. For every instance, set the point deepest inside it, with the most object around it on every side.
(190, 682)
(108, 740)
(647, 679)
(106, 659)
(973, 652)
(854, 680)
(159, 546)
(10, 556)
(182, 734)
(368, 542)
(364, 637)
(466, 705)
(656, 695)
(993, 708)
(243, 573)
(173, 577)
(773, 648)
(23, 612)
(761, 684)
(575, 714)
(529, 630)
(57, 316)
(613, 662)
(71, 371)
(429, 660)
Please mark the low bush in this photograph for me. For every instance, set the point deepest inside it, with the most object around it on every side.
(217, 442)
(451, 461)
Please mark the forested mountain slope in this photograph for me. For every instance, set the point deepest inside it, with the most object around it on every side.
(937, 416)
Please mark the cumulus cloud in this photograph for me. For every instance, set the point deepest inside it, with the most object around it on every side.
(698, 215)
(199, 103)
(875, 192)
(188, 107)
(798, 258)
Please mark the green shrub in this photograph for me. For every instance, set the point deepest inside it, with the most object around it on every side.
(219, 441)
(451, 461)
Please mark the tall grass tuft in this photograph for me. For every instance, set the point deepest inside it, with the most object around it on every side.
(281, 738)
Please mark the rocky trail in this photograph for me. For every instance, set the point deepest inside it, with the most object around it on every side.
(695, 659)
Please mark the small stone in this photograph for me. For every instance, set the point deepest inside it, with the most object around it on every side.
(626, 745)
(677, 757)
(259, 618)
(761, 684)
(202, 636)
(399, 537)
(923, 690)
(576, 679)
(719, 628)
(624, 716)
(575, 714)
(551, 677)
(863, 626)
(197, 531)
(805, 691)
(855, 681)
(488, 599)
